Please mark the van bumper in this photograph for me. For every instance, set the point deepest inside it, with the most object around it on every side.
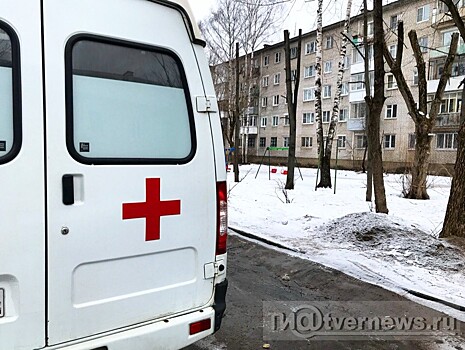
(172, 333)
(220, 302)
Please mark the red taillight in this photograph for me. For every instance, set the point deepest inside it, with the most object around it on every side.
(200, 326)
(221, 217)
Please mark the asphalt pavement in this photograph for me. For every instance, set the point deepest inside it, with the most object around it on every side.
(265, 281)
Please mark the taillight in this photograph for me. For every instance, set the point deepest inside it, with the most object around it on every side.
(221, 217)
(200, 326)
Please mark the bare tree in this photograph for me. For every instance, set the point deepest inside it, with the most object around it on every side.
(424, 121)
(221, 31)
(292, 98)
(454, 222)
(246, 22)
(375, 106)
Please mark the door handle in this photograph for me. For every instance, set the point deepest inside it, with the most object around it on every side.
(68, 189)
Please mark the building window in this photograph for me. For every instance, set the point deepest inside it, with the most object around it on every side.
(286, 119)
(263, 122)
(344, 89)
(358, 110)
(293, 52)
(286, 141)
(446, 141)
(458, 69)
(264, 101)
(451, 103)
(308, 118)
(326, 116)
(274, 142)
(277, 57)
(326, 91)
(447, 37)
(328, 67)
(343, 115)
(360, 141)
(393, 50)
(346, 62)
(341, 141)
(275, 120)
(310, 47)
(266, 60)
(357, 82)
(412, 139)
(251, 141)
(393, 22)
(309, 71)
(329, 42)
(262, 142)
(277, 78)
(423, 42)
(391, 81)
(309, 94)
(423, 14)
(370, 28)
(265, 81)
(415, 76)
(391, 111)
(275, 100)
(293, 74)
(307, 142)
(389, 141)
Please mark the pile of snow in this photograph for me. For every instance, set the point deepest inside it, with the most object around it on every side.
(399, 251)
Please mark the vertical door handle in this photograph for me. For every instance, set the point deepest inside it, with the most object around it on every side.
(68, 189)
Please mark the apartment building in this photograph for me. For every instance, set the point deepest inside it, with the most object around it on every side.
(266, 123)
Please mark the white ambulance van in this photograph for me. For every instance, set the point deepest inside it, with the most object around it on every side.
(112, 177)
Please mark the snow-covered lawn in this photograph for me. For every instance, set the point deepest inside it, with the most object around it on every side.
(397, 251)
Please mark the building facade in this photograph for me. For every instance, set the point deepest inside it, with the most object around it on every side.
(266, 124)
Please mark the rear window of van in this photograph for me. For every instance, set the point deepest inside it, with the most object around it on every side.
(127, 103)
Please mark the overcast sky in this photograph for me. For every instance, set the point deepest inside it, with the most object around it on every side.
(297, 14)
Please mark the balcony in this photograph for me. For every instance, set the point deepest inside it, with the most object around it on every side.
(252, 110)
(444, 50)
(249, 130)
(441, 18)
(356, 124)
(447, 122)
(453, 84)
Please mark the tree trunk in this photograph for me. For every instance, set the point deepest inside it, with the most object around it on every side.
(454, 222)
(325, 170)
(420, 167)
(292, 105)
(376, 106)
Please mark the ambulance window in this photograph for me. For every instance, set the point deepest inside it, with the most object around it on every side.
(128, 104)
(10, 127)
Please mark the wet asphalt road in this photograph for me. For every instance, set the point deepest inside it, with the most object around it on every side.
(257, 274)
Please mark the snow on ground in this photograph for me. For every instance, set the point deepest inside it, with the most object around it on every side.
(399, 251)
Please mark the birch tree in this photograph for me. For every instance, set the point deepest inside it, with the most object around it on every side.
(325, 148)
(454, 222)
(424, 120)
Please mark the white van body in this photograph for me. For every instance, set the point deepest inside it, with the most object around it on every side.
(112, 177)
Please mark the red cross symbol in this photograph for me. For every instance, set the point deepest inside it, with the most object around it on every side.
(152, 209)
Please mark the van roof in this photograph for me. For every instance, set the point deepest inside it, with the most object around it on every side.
(191, 24)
